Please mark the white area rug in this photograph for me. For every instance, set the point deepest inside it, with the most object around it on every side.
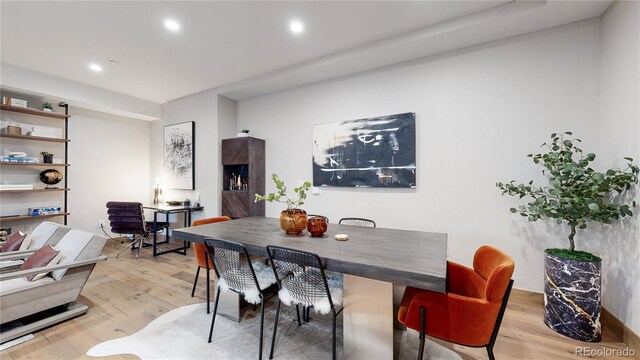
(182, 334)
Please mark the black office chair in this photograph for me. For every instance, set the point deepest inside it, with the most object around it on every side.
(127, 218)
(235, 272)
(357, 222)
(309, 216)
(302, 281)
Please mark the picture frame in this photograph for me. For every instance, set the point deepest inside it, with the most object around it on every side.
(179, 156)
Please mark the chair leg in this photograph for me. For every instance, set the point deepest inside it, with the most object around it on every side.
(126, 247)
(261, 325)
(208, 290)
(215, 310)
(490, 352)
(275, 328)
(422, 331)
(195, 281)
(298, 314)
(139, 247)
(333, 334)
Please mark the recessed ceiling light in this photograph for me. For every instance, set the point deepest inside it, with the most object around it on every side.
(172, 25)
(296, 26)
(95, 67)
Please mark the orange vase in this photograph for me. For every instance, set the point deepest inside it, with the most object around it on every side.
(317, 226)
(293, 221)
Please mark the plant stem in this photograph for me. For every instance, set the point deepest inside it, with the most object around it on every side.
(572, 245)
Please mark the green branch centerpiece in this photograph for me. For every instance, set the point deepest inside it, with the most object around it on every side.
(293, 220)
(577, 195)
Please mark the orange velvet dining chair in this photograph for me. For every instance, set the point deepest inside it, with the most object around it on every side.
(471, 311)
(202, 259)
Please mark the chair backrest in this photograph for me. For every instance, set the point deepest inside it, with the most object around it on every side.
(200, 250)
(309, 216)
(77, 245)
(126, 218)
(46, 232)
(300, 273)
(357, 222)
(496, 267)
(232, 264)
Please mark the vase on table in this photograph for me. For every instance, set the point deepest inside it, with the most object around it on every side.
(317, 226)
(293, 221)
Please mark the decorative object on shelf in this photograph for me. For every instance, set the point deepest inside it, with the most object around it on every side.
(187, 202)
(47, 107)
(42, 211)
(179, 155)
(174, 202)
(372, 152)
(293, 220)
(243, 133)
(577, 195)
(47, 157)
(7, 100)
(50, 177)
(317, 226)
(196, 200)
(13, 129)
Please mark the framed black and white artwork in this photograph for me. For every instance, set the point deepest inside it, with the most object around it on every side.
(371, 152)
(179, 156)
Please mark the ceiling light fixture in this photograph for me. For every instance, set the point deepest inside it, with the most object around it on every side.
(296, 26)
(172, 25)
(95, 67)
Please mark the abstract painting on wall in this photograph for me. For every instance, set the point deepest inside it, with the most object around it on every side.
(179, 156)
(372, 152)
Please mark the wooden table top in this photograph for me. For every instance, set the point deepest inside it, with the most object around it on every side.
(412, 258)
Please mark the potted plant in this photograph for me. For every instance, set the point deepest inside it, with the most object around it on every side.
(243, 133)
(47, 158)
(577, 194)
(293, 220)
(47, 107)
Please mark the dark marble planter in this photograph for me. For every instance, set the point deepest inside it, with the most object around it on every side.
(572, 292)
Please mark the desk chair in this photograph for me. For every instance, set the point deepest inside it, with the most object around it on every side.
(202, 260)
(127, 218)
(471, 311)
(302, 281)
(235, 272)
(357, 222)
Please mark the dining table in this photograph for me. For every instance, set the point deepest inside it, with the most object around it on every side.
(372, 260)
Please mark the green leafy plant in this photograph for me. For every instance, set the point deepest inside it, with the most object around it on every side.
(44, 153)
(281, 194)
(47, 106)
(577, 194)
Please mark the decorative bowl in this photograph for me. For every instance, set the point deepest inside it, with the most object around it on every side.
(174, 202)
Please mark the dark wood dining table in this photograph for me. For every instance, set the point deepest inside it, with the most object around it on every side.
(372, 261)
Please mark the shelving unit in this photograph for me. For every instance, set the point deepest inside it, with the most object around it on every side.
(64, 189)
(243, 156)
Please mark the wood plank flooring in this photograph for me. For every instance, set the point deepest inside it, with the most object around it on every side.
(124, 295)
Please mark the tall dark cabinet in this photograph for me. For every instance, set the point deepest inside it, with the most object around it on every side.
(242, 176)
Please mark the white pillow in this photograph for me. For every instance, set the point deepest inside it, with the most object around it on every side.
(39, 236)
(70, 246)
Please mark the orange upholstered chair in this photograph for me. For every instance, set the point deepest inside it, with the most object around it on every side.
(202, 259)
(471, 310)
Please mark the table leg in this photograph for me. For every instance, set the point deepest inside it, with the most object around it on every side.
(155, 233)
(368, 318)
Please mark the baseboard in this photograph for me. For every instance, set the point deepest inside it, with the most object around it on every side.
(607, 319)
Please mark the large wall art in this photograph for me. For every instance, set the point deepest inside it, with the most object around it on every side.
(372, 152)
(179, 156)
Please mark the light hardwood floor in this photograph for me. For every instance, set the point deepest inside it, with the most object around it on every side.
(124, 295)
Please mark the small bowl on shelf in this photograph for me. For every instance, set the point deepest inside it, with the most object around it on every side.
(174, 202)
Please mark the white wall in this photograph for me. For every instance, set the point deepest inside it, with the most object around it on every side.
(620, 137)
(478, 113)
(109, 157)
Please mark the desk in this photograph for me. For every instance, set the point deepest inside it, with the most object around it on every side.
(168, 210)
(373, 259)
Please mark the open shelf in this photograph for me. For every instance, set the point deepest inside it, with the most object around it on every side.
(32, 190)
(32, 111)
(27, 217)
(31, 164)
(33, 138)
